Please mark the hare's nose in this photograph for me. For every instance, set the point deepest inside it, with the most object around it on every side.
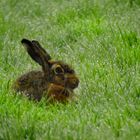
(71, 81)
(75, 83)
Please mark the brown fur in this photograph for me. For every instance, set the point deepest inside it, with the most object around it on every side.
(55, 82)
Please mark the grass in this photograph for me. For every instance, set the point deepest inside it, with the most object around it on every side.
(101, 40)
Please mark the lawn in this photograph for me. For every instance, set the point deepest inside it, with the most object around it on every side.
(101, 40)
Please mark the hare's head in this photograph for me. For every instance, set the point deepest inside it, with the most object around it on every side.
(55, 72)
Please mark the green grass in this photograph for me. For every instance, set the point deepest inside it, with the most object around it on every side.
(101, 40)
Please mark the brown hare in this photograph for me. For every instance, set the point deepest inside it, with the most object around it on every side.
(55, 82)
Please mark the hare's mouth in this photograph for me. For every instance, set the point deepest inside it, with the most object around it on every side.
(73, 86)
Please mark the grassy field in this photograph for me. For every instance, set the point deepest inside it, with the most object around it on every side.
(101, 40)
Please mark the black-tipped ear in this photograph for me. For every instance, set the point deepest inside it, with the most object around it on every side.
(37, 53)
(31, 51)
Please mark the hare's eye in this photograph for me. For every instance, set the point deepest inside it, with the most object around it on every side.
(58, 70)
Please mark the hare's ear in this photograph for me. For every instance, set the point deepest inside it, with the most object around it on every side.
(43, 52)
(37, 53)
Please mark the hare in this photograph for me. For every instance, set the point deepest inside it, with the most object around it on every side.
(55, 82)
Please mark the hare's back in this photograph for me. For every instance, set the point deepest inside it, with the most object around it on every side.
(33, 79)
